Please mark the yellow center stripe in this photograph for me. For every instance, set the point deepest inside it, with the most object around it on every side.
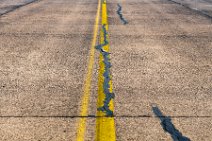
(105, 126)
(87, 83)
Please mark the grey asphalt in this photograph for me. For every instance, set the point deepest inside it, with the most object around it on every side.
(44, 48)
(162, 57)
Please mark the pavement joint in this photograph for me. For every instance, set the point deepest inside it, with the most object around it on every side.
(168, 126)
(54, 35)
(182, 36)
(94, 116)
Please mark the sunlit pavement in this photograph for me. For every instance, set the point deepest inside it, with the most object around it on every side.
(161, 70)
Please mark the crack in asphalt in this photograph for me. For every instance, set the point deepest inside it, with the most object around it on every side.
(168, 126)
(196, 10)
(106, 86)
(119, 12)
(17, 7)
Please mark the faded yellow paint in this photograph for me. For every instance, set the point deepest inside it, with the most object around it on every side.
(105, 126)
(87, 83)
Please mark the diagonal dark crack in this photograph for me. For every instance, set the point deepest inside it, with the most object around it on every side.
(195, 10)
(17, 7)
(119, 12)
(168, 126)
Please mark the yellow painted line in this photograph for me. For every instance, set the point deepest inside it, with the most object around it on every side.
(88, 79)
(105, 126)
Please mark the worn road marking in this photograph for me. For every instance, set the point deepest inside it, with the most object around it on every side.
(87, 83)
(105, 126)
(107, 77)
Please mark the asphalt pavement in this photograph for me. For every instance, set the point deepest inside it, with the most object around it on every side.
(161, 57)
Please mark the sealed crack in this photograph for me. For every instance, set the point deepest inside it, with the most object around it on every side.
(13, 8)
(106, 86)
(202, 12)
(168, 126)
(119, 12)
